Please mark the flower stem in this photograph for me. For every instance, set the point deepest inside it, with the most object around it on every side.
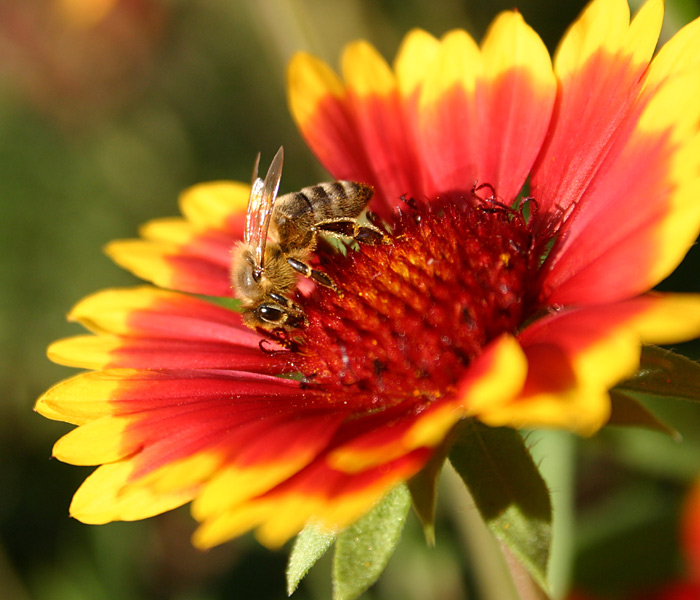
(497, 577)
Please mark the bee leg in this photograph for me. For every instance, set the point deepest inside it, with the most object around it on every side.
(351, 228)
(307, 271)
(369, 234)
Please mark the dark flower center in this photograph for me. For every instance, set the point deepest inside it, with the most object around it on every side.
(410, 316)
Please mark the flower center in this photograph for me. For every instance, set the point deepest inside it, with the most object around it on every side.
(409, 317)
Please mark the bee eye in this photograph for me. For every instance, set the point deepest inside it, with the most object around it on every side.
(270, 313)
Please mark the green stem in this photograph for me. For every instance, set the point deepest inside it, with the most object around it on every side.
(554, 452)
(493, 578)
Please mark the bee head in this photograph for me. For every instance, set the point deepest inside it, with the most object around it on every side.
(245, 274)
(278, 311)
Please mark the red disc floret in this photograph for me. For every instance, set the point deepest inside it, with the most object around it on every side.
(408, 317)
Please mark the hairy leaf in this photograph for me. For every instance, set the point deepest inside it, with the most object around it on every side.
(363, 550)
(665, 373)
(309, 546)
(628, 411)
(508, 490)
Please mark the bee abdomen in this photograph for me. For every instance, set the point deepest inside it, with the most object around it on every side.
(326, 201)
(340, 190)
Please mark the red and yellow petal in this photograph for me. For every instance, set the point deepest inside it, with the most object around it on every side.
(80, 399)
(277, 448)
(172, 266)
(519, 88)
(452, 113)
(599, 65)
(484, 113)
(218, 205)
(106, 352)
(151, 427)
(413, 64)
(191, 254)
(151, 312)
(626, 192)
(375, 106)
(108, 495)
(318, 103)
(150, 328)
(576, 356)
(332, 499)
(448, 115)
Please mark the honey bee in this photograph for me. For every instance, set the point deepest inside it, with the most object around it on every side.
(280, 235)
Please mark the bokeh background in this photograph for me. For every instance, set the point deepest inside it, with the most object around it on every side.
(108, 109)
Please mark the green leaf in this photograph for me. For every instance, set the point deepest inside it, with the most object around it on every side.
(310, 545)
(363, 550)
(628, 411)
(508, 490)
(665, 373)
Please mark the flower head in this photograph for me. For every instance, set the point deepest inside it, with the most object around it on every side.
(531, 207)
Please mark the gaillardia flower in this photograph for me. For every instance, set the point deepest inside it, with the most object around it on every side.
(531, 205)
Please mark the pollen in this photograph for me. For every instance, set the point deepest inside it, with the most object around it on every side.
(408, 317)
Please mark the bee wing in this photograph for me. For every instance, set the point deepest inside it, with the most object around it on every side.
(260, 205)
(252, 216)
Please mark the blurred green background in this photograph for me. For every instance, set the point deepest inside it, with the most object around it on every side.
(108, 109)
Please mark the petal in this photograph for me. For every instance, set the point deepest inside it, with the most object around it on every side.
(106, 496)
(347, 124)
(279, 448)
(332, 498)
(106, 352)
(149, 328)
(153, 428)
(384, 437)
(496, 377)
(218, 205)
(171, 266)
(599, 64)
(374, 103)
(484, 114)
(652, 216)
(92, 395)
(192, 254)
(80, 399)
(519, 92)
(664, 318)
(449, 117)
(214, 246)
(104, 439)
(413, 65)
(575, 356)
(317, 100)
(151, 312)
(623, 191)
(414, 61)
